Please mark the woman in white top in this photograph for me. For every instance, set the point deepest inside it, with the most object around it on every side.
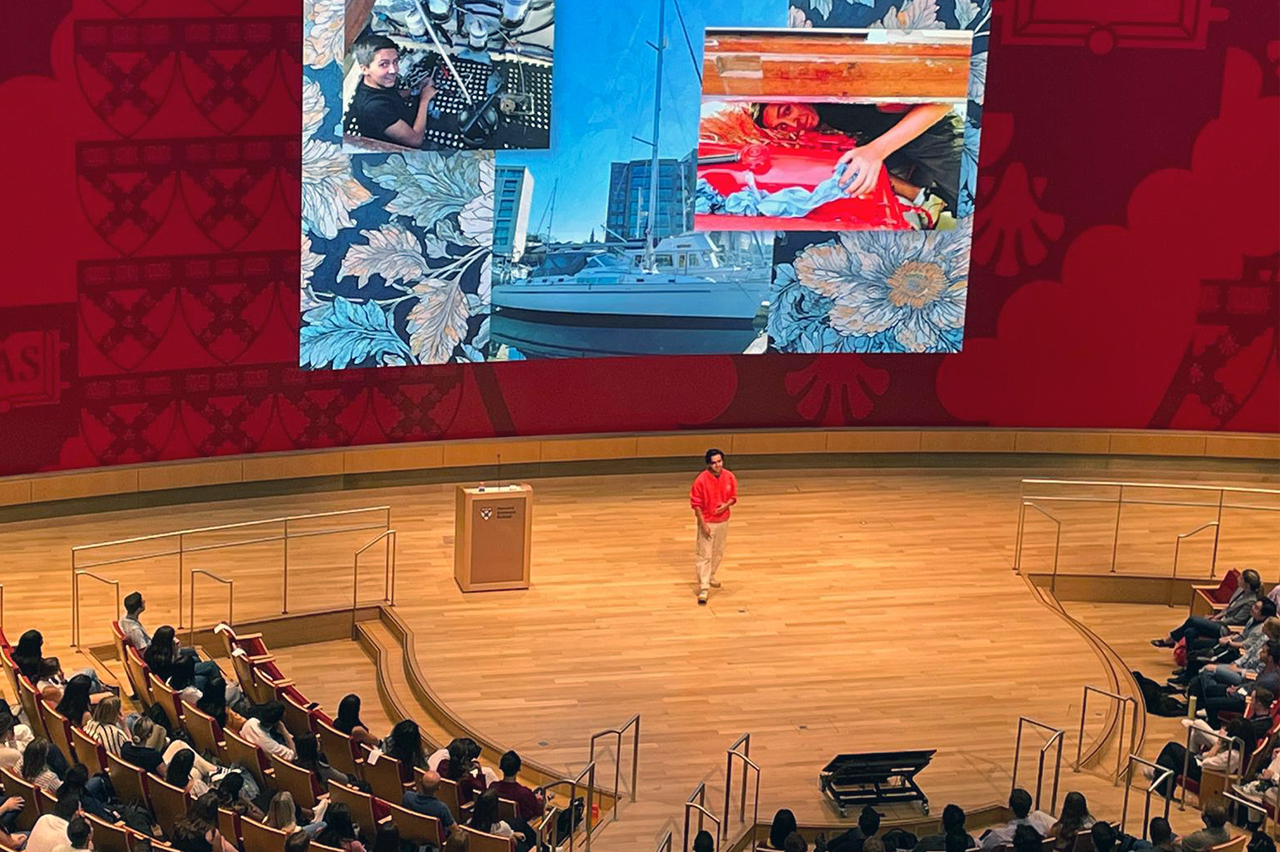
(265, 729)
(484, 817)
(105, 725)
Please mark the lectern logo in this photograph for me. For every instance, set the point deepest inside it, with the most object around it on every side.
(486, 513)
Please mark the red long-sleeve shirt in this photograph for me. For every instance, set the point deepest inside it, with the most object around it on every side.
(710, 491)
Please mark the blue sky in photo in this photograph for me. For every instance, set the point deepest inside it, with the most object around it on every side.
(603, 95)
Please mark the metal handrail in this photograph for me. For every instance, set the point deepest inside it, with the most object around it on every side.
(1161, 774)
(1058, 735)
(548, 824)
(1, 607)
(664, 845)
(699, 793)
(182, 549)
(1262, 805)
(1177, 546)
(1133, 725)
(1192, 731)
(1057, 541)
(231, 599)
(747, 763)
(75, 601)
(633, 722)
(388, 575)
(1120, 501)
(588, 772)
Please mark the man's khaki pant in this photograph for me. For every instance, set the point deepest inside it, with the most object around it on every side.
(710, 550)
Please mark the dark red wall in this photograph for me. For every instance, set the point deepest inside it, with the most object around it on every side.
(1125, 266)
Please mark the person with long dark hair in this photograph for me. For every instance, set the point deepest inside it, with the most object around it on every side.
(162, 653)
(310, 758)
(1073, 819)
(405, 745)
(484, 817)
(462, 768)
(35, 766)
(349, 722)
(197, 830)
(340, 829)
(75, 701)
(784, 822)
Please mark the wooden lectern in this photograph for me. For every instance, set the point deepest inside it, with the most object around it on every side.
(492, 530)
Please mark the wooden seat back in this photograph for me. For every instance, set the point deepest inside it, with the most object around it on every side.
(136, 671)
(299, 782)
(122, 644)
(297, 718)
(31, 701)
(261, 838)
(168, 802)
(246, 755)
(418, 829)
(508, 810)
(229, 825)
(1083, 842)
(339, 749)
(1235, 844)
(448, 793)
(483, 841)
(129, 781)
(361, 805)
(89, 751)
(205, 733)
(383, 776)
(106, 836)
(15, 785)
(10, 671)
(59, 729)
(168, 698)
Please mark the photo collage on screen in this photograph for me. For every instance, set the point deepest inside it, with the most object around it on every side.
(713, 178)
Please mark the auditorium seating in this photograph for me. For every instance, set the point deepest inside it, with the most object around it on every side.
(1209, 598)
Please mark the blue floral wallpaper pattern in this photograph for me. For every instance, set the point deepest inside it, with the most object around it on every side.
(396, 249)
(870, 291)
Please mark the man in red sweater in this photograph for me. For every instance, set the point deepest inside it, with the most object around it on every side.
(713, 492)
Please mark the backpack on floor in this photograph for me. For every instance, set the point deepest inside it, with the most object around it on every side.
(1157, 701)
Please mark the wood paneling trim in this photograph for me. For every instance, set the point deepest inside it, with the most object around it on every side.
(163, 476)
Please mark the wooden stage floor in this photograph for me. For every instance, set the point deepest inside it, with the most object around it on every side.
(862, 610)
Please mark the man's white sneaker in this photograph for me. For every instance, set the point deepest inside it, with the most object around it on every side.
(702, 597)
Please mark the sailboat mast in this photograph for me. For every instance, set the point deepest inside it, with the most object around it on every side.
(651, 228)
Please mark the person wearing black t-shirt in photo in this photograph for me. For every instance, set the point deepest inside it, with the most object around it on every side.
(379, 110)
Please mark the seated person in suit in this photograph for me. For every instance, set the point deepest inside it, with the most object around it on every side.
(378, 109)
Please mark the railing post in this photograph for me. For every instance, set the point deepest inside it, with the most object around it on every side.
(635, 760)
(1217, 529)
(1115, 541)
(284, 594)
(181, 547)
(1084, 710)
(1017, 547)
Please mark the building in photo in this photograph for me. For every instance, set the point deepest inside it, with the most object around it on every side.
(512, 196)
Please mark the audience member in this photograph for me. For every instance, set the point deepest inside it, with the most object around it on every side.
(484, 817)
(459, 841)
(1161, 837)
(855, 838)
(340, 830)
(282, 814)
(1027, 839)
(197, 831)
(213, 702)
(1215, 697)
(1020, 805)
(310, 759)
(105, 727)
(144, 747)
(784, 823)
(1231, 649)
(795, 842)
(299, 841)
(14, 737)
(1235, 613)
(35, 766)
(423, 799)
(75, 701)
(50, 830)
(46, 672)
(236, 794)
(1103, 836)
(11, 805)
(265, 729)
(131, 625)
(78, 835)
(404, 743)
(704, 842)
(387, 838)
(1074, 818)
(462, 769)
(953, 818)
(1214, 816)
(349, 723)
(529, 802)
